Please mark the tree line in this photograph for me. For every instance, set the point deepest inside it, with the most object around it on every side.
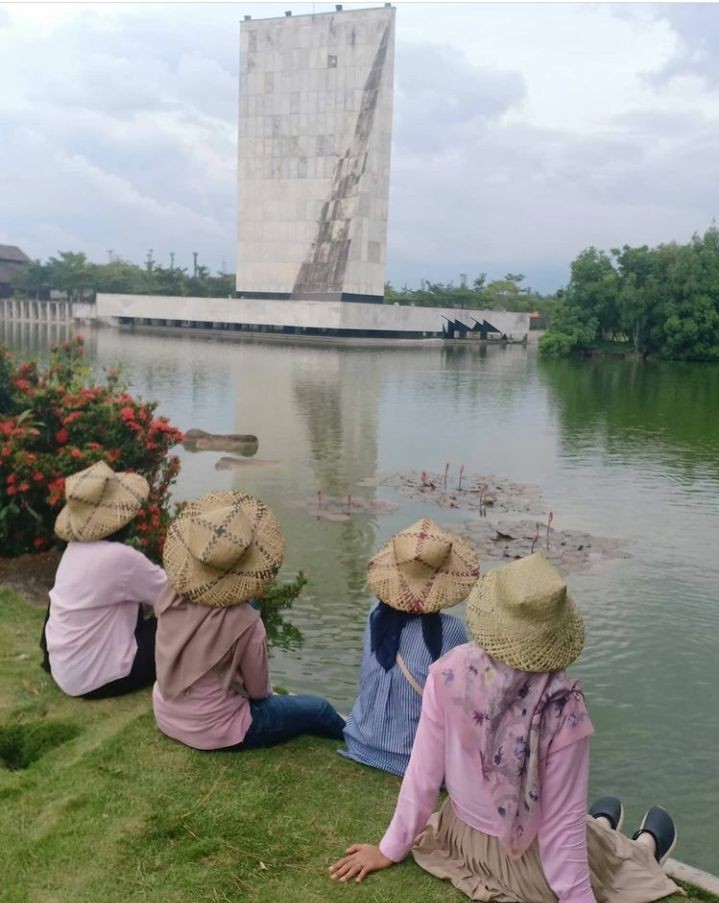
(80, 279)
(661, 301)
(507, 293)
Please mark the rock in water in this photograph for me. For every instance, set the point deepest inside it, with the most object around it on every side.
(240, 463)
(199, 440)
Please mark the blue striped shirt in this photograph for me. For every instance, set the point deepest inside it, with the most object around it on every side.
(381, 727)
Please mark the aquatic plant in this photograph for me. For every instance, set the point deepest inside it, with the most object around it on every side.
(57, 419)
(535, 538)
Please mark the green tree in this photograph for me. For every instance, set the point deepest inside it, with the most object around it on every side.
(34, 279)
(71, 273)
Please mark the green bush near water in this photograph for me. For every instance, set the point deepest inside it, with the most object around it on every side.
(661, 301)
(120, 813)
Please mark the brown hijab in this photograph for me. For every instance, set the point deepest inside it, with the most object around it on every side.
(192, 639)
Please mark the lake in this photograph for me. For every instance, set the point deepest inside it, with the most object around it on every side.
(620, 449)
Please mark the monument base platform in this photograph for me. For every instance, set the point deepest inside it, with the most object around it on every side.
(318, 320)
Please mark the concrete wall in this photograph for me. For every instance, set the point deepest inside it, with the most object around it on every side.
(302, 314)
(315, 124)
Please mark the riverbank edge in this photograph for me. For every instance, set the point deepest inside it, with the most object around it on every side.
(176, 811)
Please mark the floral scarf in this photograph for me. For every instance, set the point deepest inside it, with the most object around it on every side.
(511, 720)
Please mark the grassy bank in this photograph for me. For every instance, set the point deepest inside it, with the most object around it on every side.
(99, 806)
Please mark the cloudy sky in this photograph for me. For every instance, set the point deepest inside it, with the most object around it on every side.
(523, 132)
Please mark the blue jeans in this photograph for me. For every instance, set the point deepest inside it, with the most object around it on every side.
(280, 718)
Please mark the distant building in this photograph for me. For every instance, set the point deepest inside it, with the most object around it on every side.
(315, 129)
(12, 262)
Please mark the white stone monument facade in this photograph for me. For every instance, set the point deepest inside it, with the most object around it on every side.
(315, 129)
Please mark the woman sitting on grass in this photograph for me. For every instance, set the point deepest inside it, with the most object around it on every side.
(213, 686)
(508, 732)
(417, 573)
(96, 640)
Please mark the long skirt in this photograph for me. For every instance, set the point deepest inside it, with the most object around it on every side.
(622, 871)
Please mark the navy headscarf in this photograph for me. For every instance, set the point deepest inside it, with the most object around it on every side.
(385, 625)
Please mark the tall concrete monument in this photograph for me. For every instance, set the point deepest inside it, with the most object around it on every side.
(315, 129)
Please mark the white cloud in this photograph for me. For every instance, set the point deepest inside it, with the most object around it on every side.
(523, 132)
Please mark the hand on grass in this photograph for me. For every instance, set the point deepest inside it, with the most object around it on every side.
(361, 859)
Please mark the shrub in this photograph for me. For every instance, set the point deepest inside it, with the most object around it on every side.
(55, 421)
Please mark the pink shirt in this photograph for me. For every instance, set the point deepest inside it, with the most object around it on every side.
(206, 716)
(94, 606)
(436, 756)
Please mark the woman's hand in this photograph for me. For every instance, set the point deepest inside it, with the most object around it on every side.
(361, 859)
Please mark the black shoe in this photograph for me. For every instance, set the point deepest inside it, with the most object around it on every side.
(659, 823)
(608, 807)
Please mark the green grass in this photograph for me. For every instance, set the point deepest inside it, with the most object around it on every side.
(98, 806)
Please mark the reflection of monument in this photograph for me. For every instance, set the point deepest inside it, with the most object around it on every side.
(321, 424)
(314, 146)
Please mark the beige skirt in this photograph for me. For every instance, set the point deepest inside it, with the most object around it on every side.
(621, 871)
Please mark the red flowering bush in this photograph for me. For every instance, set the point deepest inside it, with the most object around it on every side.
(53, 422)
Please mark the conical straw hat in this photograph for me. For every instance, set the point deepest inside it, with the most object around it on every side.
(423, 569)
(522, 615)
(99, 502)
(223, 549)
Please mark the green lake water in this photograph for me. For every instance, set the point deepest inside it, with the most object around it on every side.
(619, 449)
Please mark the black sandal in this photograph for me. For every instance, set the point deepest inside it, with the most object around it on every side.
(608, 807)
(659, 823)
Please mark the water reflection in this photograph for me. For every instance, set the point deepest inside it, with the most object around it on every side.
(664, 409)
(619, 449)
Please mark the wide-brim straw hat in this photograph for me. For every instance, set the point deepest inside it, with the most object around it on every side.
(522, 615)
(99, 502)
(423, 569)
(223, 549)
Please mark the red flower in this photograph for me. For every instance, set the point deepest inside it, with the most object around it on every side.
(11, 479)
(39, 542)
(38, 477)
(31, 457)
(6, 451)
(61, 436)
(113, 455)
(71, 418)
(24, 486)
(76, 453)
(93, 446)
(127, 414)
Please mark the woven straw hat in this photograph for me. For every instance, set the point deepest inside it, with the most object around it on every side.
(521, 614)
(223, 549)
(99, 502)
(423, 569)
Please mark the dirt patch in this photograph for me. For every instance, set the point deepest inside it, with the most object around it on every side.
(468, 492)
(570, 551)
(340, 510)
(31, 575)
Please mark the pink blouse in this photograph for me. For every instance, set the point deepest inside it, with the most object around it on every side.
(436, 756)
(206, 716)
(94, 605)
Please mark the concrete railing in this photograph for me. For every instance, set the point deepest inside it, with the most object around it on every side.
(28, 310)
